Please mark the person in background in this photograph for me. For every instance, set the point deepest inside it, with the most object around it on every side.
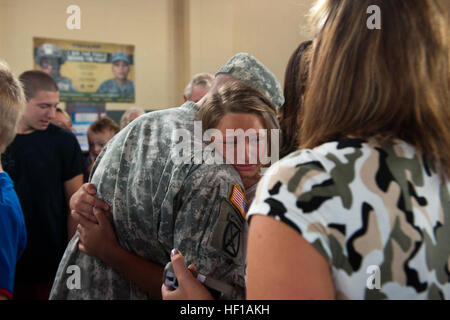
(98, 134)
(120, 69)
(295, 79)
(198, 87)
(45, 162)
(13, 235)
(129, 115)
(62, 119)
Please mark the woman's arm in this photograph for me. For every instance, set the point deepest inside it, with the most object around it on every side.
(281, 264)
(100, 241)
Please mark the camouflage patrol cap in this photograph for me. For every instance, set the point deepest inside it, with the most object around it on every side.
(246, 68)
(120, 56)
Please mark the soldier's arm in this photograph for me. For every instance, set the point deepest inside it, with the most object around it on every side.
(208, 230)
(210, 227)
(96, 235)
(145, 274)
(99, 240)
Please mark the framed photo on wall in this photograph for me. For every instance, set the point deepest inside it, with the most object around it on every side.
(88, 71)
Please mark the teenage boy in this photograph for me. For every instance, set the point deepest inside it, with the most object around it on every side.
(45, 163)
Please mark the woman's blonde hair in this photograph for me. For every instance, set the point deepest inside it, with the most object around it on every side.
(386, 83)
(238, 97)
(12, 104)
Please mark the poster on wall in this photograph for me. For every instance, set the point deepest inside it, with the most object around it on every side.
(87, 71)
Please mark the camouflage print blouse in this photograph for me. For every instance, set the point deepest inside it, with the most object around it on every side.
(380, 215)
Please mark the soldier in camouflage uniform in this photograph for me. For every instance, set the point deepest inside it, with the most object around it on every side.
(120, 68)
(50, 58)
(158, 205)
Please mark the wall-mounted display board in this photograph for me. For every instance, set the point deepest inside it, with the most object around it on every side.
(88, 71)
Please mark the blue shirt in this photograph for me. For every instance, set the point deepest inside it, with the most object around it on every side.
(13, 235)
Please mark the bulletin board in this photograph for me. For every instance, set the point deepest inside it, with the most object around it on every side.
(84, 70)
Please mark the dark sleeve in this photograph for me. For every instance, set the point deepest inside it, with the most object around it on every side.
(72, 157)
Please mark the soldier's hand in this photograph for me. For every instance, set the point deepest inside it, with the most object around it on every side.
(97, 239)
(189, 288)
(83, 202)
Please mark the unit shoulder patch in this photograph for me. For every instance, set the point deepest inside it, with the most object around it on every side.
(229, 231)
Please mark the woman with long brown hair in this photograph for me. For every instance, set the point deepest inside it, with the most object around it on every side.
(362, 211)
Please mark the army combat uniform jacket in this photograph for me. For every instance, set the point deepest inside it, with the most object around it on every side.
(158, 205)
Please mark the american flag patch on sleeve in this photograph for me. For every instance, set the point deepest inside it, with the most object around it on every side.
(239, 200)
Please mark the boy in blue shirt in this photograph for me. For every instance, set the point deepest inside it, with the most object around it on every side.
(12, 225)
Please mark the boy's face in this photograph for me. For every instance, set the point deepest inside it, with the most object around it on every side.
(120, 70)
(97, 140)
(40, 110)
